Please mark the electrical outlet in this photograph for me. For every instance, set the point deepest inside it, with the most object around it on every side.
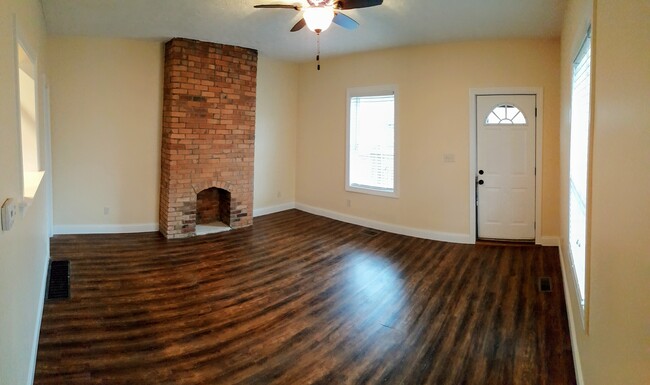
(8, 214)
(279, 194)
(348, 203)
(107, 210)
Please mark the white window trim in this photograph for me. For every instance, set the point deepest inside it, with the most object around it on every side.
(583, 302)
(372, 91)
(30, 181)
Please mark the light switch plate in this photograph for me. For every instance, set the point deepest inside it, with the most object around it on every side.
(8, 214)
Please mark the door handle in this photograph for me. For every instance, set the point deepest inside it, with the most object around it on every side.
(481, 181)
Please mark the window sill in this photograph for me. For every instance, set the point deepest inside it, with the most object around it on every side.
(370, 191)
(31, 182)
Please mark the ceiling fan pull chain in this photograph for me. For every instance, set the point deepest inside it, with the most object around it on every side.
(318, 51)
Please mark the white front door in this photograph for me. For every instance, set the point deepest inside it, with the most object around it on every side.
(505, 166)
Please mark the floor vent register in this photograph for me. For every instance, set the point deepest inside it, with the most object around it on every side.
(58, 280)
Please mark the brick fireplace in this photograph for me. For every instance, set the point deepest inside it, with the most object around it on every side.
(208, 136)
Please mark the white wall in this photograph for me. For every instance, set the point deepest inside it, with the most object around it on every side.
(106, 126)
(25, 248)
(276, 123)
(433, 84)
(616, 347)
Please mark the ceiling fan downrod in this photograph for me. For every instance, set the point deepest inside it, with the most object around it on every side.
(318, 49)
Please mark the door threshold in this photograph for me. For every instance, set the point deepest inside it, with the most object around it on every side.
(504, 242)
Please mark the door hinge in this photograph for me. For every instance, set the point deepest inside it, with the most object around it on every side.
(535, 111)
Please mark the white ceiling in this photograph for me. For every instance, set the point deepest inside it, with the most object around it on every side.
(236, 22)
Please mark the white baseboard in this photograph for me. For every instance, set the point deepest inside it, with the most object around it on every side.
(147, 227)
(258, 212)
(572, 331)
(549, 241)
(105, 229)
(397, 229)
(39, 318)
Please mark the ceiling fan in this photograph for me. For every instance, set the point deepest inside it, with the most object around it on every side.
(319, 14)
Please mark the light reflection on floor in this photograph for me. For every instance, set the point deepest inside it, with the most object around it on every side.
(375, 289)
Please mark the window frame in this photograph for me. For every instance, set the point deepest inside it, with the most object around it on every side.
(373, 91)
(583, 299)
(31, 179)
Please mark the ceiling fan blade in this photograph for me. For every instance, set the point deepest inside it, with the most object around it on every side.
(352, 4)
(284, 6)
(345, 21)
(299, 25)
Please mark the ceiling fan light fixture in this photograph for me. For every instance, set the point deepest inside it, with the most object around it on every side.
(318, 19)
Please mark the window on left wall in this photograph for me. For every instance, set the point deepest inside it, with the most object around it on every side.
(29, 126)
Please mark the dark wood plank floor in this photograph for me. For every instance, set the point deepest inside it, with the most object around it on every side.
(301, 299)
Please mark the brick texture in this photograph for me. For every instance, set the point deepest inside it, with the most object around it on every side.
(208, 138)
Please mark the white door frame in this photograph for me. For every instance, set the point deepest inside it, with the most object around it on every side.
(539, 129)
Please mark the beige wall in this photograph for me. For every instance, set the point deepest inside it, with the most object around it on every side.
(275, 134)
(106, 125)
(616, 349)
(24, 249)
(432, 119)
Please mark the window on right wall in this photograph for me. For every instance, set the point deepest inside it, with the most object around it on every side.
(579, 167)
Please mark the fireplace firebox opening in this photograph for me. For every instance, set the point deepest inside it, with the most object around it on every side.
(212, 211)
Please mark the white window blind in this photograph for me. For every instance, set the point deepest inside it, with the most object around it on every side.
(579, 163)
(371, 143)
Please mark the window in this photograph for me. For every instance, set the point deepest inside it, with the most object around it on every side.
(371, 157)
(29, 129)
(505, 114)
(579, 164)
